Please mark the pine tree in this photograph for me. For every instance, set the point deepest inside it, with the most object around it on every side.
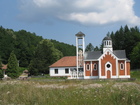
(1, 72)
(12, 68)
(0, 63)
(89, 47)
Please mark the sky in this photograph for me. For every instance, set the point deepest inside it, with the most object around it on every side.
(62, 19)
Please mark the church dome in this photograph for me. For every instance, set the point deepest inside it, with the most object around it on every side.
(107, 38)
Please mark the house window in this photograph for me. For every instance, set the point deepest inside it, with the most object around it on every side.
(95, 66)
(56, 71)
(66, 71)
(87, 67)
(122, 66)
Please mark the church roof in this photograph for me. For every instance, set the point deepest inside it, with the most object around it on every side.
(120, 53)
(96, 54)
(68, 61)
(92, 55)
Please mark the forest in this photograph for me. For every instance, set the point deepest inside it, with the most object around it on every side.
(37, 54)
(32, 51)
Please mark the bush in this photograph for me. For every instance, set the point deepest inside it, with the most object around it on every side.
(1, 74)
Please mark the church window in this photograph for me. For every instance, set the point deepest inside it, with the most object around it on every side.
(87, 67)
(122, 66)
(104, 43)
(95, 66)
(109, 43)
(108, 65)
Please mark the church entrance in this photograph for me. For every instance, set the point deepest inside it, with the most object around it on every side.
(108, 74)
(108, 69)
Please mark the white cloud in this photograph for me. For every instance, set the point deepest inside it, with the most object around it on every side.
(46, 3)
(86, 12)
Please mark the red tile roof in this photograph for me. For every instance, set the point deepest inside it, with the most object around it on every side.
(4, 66)
(68, 61)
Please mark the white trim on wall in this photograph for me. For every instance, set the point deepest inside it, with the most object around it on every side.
(125, 76)
(91, 77)
(91, 68)
(99, 70)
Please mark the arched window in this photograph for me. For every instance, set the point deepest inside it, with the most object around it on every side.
(109, 43)
(95, 66)
(122, 66)
(105, 43)
(88, 66)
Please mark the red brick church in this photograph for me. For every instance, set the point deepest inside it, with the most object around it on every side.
(104, 64)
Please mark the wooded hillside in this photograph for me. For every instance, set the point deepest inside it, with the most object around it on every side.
(24, 45)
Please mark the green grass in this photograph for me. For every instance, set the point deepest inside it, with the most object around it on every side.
(81, 92)
(135, 74)
(70, 92)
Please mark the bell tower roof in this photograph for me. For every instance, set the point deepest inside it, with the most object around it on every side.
(80, 34)
(107, 38)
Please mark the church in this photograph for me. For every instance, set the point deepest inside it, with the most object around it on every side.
(106, 64)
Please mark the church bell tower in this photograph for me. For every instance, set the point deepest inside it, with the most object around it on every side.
(107, 44)
(80, 49)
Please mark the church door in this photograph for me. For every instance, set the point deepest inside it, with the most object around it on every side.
(108, 67)
(108, 74)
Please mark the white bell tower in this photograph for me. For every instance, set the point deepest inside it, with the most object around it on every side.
(107, 44)
(80, 49)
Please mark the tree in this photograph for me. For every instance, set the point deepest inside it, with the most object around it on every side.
(45, 55)
(1, 72)
(89, 47)
(66, 49)
(6, 43)
(12, 68)
(25, 45)
(135, 57)
(0, 63)
(96, 48)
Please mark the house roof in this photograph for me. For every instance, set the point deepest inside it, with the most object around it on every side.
(96, 54)
(4, 67)
(68, 61)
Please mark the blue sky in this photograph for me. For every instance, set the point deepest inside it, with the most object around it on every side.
(62, 19)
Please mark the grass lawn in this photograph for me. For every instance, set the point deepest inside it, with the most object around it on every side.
(70, 92)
